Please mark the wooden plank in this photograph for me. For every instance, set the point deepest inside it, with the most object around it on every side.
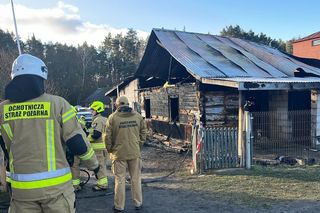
(232, 147)
(278, 86)
(215, 138)
(220, 82)
(211, 149)
(206, 148)
(224, 131)
(228, 147)
(215, 117)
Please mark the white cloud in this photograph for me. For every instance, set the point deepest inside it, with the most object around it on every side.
(62, 23)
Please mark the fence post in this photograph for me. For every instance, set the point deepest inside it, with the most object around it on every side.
(248, 119)
(241, 132)
(194, 149)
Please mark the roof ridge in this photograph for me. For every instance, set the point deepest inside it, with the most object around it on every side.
(311, 36)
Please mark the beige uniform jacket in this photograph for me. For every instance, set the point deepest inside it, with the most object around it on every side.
(35, 132)
(98, 124)
(125, 133)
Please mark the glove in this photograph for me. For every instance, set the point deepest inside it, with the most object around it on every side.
(96, 170)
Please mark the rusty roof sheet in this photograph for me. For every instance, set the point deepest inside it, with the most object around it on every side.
(210, 56)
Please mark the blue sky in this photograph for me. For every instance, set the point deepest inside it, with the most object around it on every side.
(283, 19)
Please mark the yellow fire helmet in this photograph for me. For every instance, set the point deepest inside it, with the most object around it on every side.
(97, 106)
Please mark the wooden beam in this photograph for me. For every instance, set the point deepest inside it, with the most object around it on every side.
(263, 85)
(277, 86)
(225, 83)
(241, 131)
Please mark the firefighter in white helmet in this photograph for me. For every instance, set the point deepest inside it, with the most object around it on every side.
(98, 145)
(36, 127)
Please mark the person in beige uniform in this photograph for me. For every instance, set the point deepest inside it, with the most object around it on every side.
(36, 127)
(98, 145)
(75, 161)
(125, 133)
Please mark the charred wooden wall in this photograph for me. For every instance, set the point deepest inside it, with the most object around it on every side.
(220, 108)
(160, 113)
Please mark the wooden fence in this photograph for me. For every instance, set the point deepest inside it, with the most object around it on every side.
(219, 148)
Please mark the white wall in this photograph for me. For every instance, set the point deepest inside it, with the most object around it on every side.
(131, 92)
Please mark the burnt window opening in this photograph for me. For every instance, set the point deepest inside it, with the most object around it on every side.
(147, 108)
(174, 109)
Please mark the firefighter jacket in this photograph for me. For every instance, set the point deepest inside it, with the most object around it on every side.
(125, 132)
(83, 124)
(95, 133)
(36, 133)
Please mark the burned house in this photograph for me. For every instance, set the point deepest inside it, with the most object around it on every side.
(183, 76)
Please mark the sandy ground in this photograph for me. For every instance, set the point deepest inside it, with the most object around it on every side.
(170, 195)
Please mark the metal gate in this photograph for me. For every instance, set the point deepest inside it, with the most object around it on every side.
(219, 148)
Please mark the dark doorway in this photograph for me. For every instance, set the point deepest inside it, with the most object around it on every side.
(147, 108)
(174, 109)
(299, 106)
(299, 100)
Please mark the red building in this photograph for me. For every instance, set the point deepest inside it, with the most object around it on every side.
(307, 47)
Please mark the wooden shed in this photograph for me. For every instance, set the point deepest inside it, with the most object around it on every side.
(185, 75)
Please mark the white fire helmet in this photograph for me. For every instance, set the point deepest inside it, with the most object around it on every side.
(26, 64)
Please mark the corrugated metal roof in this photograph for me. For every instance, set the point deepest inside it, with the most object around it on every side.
(309, 37)
(209, 56)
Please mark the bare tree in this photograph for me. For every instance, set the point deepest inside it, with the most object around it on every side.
(85, 57)
(51, 88)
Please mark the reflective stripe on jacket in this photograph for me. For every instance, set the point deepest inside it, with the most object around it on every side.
(98, 124)
(34, 132)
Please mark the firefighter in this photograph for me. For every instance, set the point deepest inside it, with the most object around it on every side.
(98, 145)
(75, 170)
(36, 127)
(83, 124)
(74, 161)
(125, 132)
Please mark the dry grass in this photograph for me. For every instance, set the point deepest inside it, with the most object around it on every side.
(259, 187)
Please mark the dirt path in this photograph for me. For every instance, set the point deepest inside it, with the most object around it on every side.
(173, 194)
